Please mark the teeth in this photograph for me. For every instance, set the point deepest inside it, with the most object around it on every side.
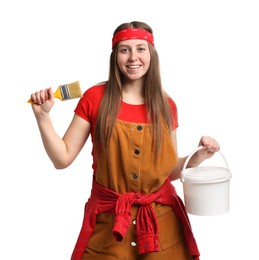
(134, 67)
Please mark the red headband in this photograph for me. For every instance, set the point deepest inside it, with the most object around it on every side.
(132, 33)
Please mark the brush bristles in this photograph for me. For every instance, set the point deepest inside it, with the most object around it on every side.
(69, 91)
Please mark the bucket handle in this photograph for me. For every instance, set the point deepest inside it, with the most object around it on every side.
(197, 149)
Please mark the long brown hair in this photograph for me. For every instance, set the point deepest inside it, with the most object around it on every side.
(158, 110)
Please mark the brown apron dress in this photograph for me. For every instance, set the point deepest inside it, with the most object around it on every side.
(132, 167)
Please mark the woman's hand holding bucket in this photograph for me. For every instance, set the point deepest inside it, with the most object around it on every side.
(208, 146)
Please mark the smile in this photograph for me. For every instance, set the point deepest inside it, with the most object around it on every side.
(134, 66)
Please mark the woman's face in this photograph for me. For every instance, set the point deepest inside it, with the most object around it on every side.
(133, 58)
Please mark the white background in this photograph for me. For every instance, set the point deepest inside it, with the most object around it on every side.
(209, 64)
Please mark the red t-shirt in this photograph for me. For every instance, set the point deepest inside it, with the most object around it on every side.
(88, 107)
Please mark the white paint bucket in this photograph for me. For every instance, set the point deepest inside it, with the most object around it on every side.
(206, 188)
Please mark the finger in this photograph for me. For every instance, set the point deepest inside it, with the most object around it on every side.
(37, 98)
(50, 94)
(33, 98)
(209, 144)
(43, 95)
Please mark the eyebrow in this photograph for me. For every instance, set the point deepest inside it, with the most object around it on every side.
(140, 44)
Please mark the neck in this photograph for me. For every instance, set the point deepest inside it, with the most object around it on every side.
(132, 93)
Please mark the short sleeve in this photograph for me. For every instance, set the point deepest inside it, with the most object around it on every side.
(89, 103)
(174, 113)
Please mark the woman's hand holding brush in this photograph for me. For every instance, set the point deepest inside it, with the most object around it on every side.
(42, 101)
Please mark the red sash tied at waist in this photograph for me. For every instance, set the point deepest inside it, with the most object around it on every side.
(104, 200)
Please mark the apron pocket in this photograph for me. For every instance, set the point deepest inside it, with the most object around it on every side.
(170, 228)
(102, 232)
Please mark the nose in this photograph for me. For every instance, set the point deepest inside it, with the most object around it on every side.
(133, 56)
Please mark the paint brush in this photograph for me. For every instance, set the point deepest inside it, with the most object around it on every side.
(67, 91)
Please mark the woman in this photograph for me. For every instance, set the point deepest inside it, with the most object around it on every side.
(133, 211)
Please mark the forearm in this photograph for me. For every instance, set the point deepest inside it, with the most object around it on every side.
(197, 158)
(176, 173)
(54, 145)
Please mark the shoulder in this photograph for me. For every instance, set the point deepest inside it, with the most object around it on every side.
(171, 103)
(95, 91)
(94, 94)
(89, 103)
(174, 113)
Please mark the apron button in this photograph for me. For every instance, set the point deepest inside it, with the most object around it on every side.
(135, 176)
(133, 243)
(137, 152)
(139, 127)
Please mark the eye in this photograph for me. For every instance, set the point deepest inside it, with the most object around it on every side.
(124, 50)
(141, 49)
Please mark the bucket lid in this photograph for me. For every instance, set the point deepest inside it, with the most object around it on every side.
(205, 174)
